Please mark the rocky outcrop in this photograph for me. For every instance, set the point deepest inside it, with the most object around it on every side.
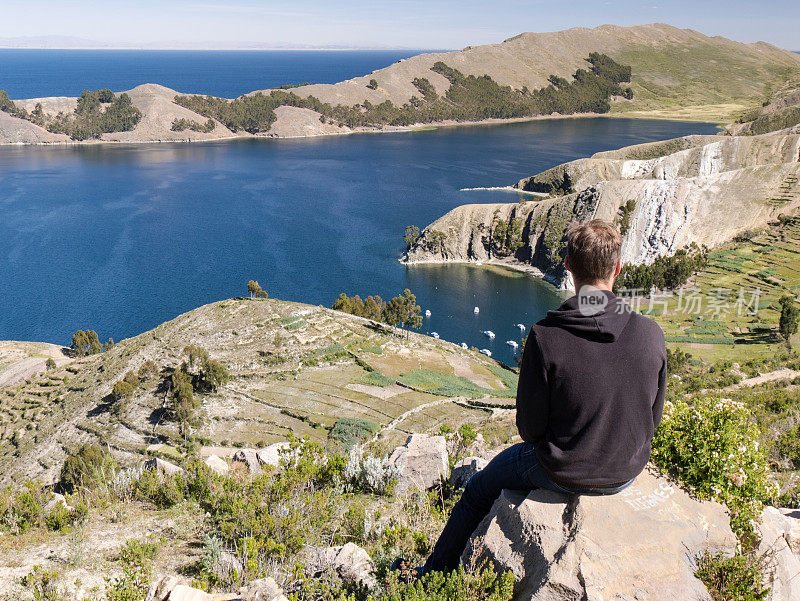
(217, 465)
(464, 469)
(698, 189)
(164, 467)
(350, 562)
(779, 530)
(420, 463)
(639, 544)
(248, 459)
(171, 588)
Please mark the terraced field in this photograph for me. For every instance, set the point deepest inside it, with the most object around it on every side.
(730, 310)
(295, 370)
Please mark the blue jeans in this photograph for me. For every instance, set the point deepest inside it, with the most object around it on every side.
(516, 468)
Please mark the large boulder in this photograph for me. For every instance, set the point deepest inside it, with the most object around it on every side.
(778, 529)
(464, 470)
(639, 544)
(350, 562)
(420, 463)
(249, 459)
(263, 589)
(217, 465)
(164, 467)
(273, 454)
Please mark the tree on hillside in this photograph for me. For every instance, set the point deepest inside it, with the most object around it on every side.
(373, 84)
(86, 343)
(788, 323)
(255, 290)
(411, 235)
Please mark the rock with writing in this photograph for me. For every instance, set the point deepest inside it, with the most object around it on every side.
(639, 544)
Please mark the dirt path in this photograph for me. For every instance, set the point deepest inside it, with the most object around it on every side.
(396, 421)
(772, 376)
(22, 360)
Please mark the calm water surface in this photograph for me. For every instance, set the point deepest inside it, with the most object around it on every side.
(227, 73)
(122, 238)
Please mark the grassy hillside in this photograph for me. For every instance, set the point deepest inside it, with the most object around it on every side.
(295, 371)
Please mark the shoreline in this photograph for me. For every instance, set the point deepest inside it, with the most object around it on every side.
(516, 266)
(657, 116)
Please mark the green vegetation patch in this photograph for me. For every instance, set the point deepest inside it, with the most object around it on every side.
(96, 113)
(348, 431)
(295, 325)
(376, 378)
(469, 98)
(449, 385)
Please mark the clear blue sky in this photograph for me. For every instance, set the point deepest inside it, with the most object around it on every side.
(411, 23)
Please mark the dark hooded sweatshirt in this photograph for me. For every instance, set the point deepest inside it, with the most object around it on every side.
(591, 392)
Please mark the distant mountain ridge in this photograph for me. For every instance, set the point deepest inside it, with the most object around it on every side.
(676, 73)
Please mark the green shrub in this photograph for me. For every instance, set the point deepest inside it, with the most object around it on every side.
(348, 431)
(737, 578)
(24, 510)
(132, 584)
(84, 468)
(42, 583)
(478, 585)
(122, 390)
(712, 446)
(162, 490)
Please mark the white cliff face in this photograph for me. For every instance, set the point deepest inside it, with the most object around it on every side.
(705, 194)
(711, 161)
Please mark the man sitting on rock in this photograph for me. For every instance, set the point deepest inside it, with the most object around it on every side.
(591, 392)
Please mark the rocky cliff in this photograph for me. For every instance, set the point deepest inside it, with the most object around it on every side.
(697, 189)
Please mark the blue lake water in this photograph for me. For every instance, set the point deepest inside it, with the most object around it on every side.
(228, 73)
(122, 238)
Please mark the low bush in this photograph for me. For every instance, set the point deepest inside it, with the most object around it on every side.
(348, 431)
(712, 446)
(737, 578)
(368, 474)
(85, 468)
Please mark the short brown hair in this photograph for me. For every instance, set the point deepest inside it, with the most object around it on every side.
(593, 249)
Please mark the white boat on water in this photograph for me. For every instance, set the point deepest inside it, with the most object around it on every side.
(464, 345)
(427, 312)
(521, 327)
(489, 333)
(512, 343)
(476, 310)
(486, 352)
(435, 335)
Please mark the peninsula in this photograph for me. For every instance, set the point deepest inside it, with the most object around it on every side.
(640, 71)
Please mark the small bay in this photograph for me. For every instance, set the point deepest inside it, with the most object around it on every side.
(121, 238)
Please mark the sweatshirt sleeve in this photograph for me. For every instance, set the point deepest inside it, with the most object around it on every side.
(658, 404)
(533, 394)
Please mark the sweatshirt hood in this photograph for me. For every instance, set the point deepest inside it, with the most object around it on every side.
(597, 314)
